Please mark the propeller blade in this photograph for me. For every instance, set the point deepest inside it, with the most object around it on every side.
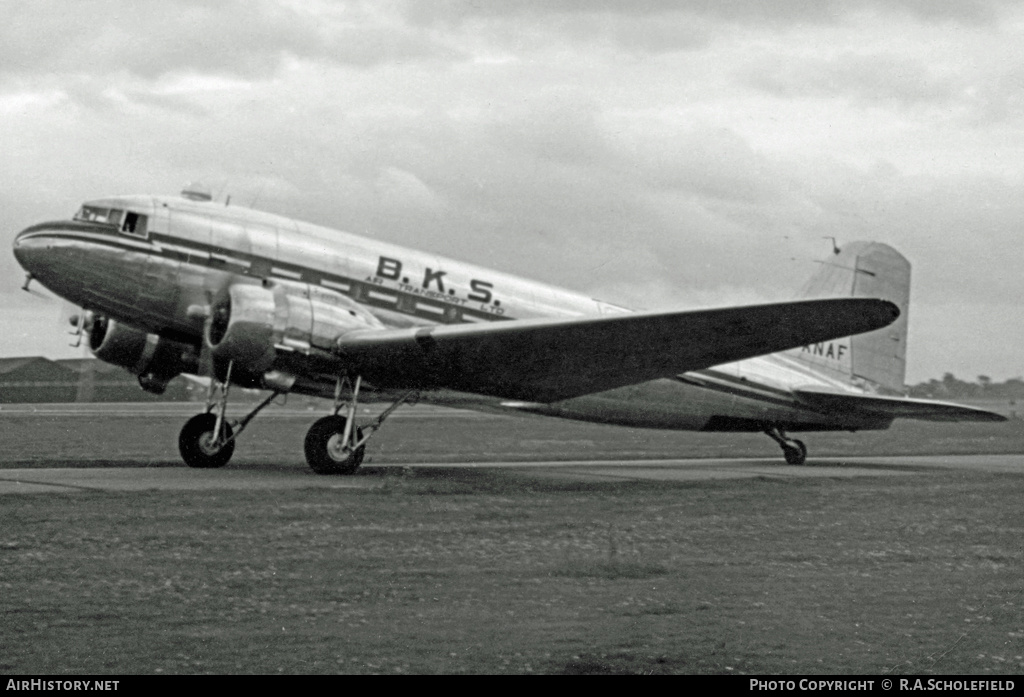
(73, 315)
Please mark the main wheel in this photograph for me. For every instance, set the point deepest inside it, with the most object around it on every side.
(325, 447)
(795, 452)
(196, 442)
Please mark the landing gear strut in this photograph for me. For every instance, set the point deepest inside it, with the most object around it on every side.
(335, 444)
(207, 440)
(794, 450)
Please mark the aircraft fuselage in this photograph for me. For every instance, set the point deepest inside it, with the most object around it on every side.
(159, 263)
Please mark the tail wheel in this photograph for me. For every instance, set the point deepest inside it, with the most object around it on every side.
(795, 452)
(197, 442)
(325, 447)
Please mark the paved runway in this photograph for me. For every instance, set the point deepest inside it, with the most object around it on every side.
(133, 447)
(253, 478)
(183, 410)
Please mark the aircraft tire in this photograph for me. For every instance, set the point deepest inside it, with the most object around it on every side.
(796, 454)
(323, 447)
(194, 439)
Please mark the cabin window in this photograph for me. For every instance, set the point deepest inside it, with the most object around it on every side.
(134, 224)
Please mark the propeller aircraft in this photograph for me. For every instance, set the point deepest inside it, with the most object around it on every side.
(183, 284)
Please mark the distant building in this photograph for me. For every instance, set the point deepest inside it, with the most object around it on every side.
(36, 379)
(39, 380)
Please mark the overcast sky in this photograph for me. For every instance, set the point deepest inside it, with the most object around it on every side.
(675, 153)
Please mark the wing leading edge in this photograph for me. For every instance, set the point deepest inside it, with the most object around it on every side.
(553, 359)
(896, 407)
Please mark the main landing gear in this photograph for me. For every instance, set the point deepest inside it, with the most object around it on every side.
(334, 444)
(794, 450)
(207, 440)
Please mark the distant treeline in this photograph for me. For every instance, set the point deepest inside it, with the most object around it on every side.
(953, 387)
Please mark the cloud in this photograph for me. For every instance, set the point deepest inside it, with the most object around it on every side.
(865, 79)
(708, 162)
(252, 38)
(999, 100)
(741, 11)
(151, 38)
(652, 27)
(654, 154)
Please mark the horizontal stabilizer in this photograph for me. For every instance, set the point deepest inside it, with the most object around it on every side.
(547, 360)
(837, 402)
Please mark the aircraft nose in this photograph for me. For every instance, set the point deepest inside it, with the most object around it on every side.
(29, 245)
(21, 247)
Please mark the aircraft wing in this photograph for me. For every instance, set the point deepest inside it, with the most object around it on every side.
(547, 360)
(898, 407)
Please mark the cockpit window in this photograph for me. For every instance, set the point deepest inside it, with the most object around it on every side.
(127, 222)
(97, 214)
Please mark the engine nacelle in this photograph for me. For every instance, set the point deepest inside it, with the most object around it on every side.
(261, 328)
(152, 358)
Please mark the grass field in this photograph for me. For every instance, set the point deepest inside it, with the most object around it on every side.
(89, 438)
(498, 570)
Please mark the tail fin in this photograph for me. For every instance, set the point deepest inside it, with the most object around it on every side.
(878, 358)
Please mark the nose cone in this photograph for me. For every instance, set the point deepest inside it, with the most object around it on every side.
(21, 248)
(52, 255)
(28, 245)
